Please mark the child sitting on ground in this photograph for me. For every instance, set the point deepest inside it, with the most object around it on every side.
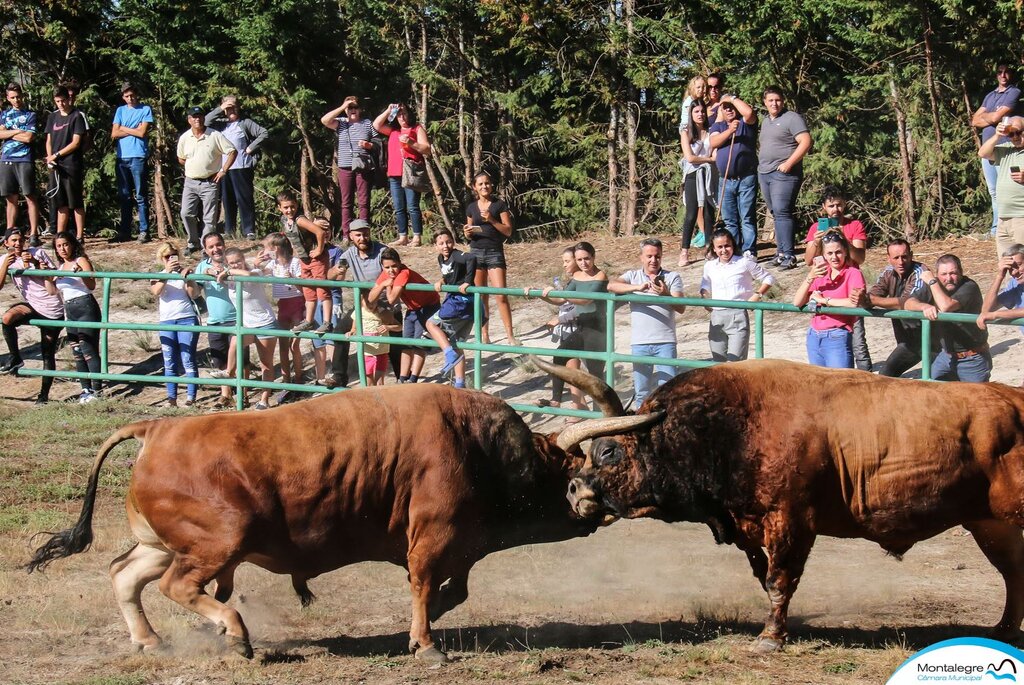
(377, 321)
(454, 319)
(421, 305)
(309, 245)
(277, 260)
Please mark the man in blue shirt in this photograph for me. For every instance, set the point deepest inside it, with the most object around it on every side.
(1001, 102)
(1007, 303)
(734, 135)
(131, 126)
(17, 172)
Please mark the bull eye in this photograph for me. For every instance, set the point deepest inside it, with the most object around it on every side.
(607, 455)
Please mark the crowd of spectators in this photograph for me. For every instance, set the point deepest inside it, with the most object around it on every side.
(729, 153)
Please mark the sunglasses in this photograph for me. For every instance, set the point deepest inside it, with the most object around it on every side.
(832, 237)
(714, 86)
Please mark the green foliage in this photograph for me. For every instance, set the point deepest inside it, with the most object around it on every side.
(539, 81)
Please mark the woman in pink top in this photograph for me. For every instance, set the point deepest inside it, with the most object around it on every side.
(833, 281)
(406, 140)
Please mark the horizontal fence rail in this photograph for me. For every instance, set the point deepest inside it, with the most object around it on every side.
(240, 383)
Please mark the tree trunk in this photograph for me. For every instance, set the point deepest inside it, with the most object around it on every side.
(632, 99)
(612, 137)
(164, 218)
(938, 190)
(907, 176)
(307, 200)
(467, 165)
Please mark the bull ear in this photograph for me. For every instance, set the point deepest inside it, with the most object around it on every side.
(604, 396)
(595, 428)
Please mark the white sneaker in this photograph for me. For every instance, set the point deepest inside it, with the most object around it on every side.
(86, 397)
(219, 373)
(749, 255)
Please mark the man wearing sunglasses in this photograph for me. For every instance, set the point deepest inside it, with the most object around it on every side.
(1008, 158)
(1001, 102)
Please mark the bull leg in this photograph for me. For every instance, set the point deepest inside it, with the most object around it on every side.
(184, 582)
(756, 558)
(425, 586)
(787, 554)
(451, 594)
(1003, 545)
(130, 573)
(225, 584)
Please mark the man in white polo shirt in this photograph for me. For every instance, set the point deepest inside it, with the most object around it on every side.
(206, 155)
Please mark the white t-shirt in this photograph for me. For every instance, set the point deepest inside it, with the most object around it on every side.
(283, 291)
(175, 302)
(257, 311)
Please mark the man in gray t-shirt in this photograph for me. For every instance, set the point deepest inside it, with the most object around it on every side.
(783, 142)
(653, 326)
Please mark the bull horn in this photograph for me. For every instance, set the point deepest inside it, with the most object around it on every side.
(595, 428)
(604, 397)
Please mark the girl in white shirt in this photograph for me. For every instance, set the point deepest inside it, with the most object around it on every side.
(278, 260)
(257, 312)
(731, 277)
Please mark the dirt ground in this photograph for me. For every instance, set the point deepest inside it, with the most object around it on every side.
(639, 601)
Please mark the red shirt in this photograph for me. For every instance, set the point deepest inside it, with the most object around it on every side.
(413, 299)
(849, 278)
(852, 229)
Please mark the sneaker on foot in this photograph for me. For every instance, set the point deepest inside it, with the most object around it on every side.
(86, 397)
(750, 255)
(11, 367)
(260, 406)
(451, 358)
(303, 326)
(220, 373)
(788, 263)
(34, 241)
(250, 236)
(190, 401)
(190, 249)
(143, 238)
(324, 328)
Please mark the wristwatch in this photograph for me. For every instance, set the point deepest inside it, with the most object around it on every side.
(932, 282)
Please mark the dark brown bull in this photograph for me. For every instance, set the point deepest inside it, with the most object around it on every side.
(423, 476)
(771, 454)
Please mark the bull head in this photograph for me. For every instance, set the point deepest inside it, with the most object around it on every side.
(611, 460)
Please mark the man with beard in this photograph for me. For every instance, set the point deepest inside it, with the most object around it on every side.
(964, 354)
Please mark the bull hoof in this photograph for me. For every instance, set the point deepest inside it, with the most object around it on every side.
(431, 654)
(239, 645)
(767, 645)
(152, 648)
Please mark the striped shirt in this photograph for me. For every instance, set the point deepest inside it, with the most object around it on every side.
(349, 135)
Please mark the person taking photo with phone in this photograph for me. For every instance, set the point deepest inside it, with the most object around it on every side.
(1007, 154)
(833, 281)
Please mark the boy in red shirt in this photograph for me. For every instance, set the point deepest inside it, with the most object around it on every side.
(421, 305)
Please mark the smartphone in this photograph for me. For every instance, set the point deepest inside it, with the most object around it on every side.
(1015, 169)
(819, 261)
(822, 224)
(343, 263)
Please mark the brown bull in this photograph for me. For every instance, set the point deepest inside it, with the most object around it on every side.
(423, 476)
(771, 454)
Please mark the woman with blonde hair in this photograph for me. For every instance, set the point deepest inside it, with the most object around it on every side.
(695, 92)
(176, 309)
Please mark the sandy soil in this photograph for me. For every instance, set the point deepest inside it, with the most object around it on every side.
(640, 601)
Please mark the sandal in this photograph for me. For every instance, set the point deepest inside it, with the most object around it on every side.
(547, 403)
(402, 240)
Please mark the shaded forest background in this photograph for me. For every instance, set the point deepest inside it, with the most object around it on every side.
(572, 105)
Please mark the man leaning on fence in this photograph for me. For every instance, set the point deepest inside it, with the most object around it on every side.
(653, 326)
(1008, 302)
(965, 354)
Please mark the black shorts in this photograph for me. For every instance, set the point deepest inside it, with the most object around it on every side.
(17, 178)
(69, 189)
(488, 257)
(219, 346)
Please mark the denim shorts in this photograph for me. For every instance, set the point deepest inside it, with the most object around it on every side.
(488, 258)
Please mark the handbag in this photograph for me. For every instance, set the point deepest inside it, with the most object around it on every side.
(362, 160)
(414, 176)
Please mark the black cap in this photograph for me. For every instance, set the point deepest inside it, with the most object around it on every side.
(11, 231)
(194, 112)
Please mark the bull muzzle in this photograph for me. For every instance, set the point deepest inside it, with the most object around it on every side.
(582, 498)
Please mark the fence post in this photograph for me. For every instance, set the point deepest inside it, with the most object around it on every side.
(240, 351)
(926, 349)
(609, 341)
(105, 318)
(357, 318)
(758, 333)
(478, 356)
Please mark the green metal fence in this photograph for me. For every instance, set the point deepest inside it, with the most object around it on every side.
(610, 357)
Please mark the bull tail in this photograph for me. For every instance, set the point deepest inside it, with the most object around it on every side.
(78, 538)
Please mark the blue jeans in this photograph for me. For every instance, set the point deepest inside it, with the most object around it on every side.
(648, 377)
(738, 211)
(407, 207)
(991, 174)
(179, 351)
(832, 349)
(780, 191)
(974, 369)
(237, 193)
(131, 179)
